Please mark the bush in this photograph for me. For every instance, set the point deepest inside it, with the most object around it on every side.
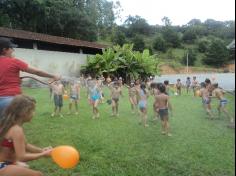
(217, 55)
(159, 44)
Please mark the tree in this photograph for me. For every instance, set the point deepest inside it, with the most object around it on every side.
(203, 46)
(138, 42)
(171, 37)
(137, 25)
(159, 44)
(217, 55)
(118, 37)
(189, 36)
(166, 21)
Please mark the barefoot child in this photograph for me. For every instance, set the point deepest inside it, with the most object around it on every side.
(13, 144)
(188, 84)
(206, 100)
(132, 97)
(115, 95)
(58, 91)
(74, 92)
(94, 96)
(164, 105)
(219, 94)
(142, 97)
(194, 85)
(178, 86)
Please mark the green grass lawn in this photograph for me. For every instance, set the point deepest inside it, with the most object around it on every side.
(121, 147)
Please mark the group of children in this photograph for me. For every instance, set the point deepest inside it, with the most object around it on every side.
(209, 91)
(22, 108)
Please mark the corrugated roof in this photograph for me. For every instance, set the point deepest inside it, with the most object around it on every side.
(21, 34)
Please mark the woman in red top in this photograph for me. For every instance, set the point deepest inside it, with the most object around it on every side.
(10, 73)
(13, 144)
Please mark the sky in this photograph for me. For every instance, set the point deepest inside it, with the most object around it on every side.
(180, 12)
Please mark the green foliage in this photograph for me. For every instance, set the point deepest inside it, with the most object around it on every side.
(68, 18)
(137, 25)
(123, 60)
(171, 37)
(159, 44)
(203, 46)
(192, 57)
(189, 36)
(118, 37)
(217, 55)
(138, 43)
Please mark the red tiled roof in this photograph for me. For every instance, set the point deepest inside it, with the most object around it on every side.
(21, 34)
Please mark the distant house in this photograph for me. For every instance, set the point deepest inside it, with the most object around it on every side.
(52, 53)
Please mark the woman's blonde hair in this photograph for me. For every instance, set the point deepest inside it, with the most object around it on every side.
(20, 105)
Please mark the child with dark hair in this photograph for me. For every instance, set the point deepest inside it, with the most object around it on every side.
(155, 92)
(142, 97)
(164, 105)
(219, 94)
(132, 96)
(115, 96)
(188, 84)
(13, 144)
(166, 83)
(178, 86)
(206, 100)
(194, 85)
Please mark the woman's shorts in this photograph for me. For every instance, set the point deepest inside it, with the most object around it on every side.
(4, 102)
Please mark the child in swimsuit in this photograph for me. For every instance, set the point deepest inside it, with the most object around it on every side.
(163, 106)
(143, 95)
(95, 96)
(219, 94)
(115, 95)
(74, 92)
(13, 145)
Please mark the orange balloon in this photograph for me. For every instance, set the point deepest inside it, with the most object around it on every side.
(65, 97)
(65, 156)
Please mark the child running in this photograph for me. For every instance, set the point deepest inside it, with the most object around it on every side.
(142, 97)
(115, 95)
(132, 96)
(74, 92)
(155, 92)
(13, 144)
(178, 86)
(219, 94)
(167, 86)
(94, 96)
(164, 105)
(206, 100)
(58, 91)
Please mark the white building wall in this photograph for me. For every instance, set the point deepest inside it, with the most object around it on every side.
(61, 63)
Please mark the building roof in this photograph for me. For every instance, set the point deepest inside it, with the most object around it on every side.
(21, 34)
(231, 45)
